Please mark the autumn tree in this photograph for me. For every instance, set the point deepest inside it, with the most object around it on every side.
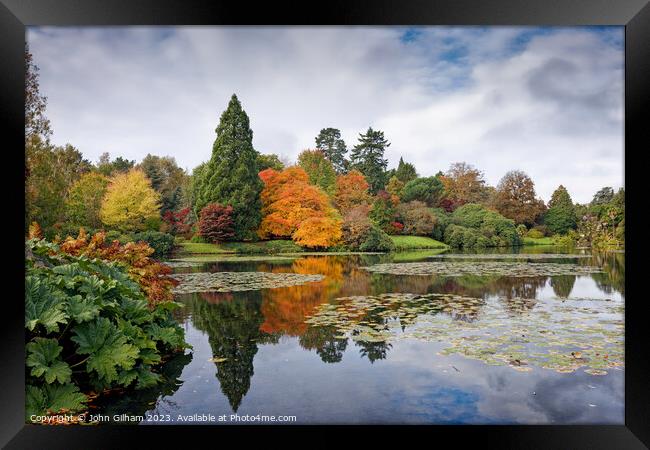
(464, 184)
(290, 207)
(320, 170)
(405, 171)
(427, 189)
(383, 212)
(516, 199)
(333, 147)
(368, 158)
(215, 223)
(130, 202)
(560, 216)
(395, 186)
(351, 191)
(417, 218)
(84, 200)
(231, 175)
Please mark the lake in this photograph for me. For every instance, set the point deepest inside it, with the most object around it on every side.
(401, 338)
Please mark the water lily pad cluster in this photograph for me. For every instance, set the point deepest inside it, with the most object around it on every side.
(181, 264)
(455, 269)
(521, 333)
(526, 256)
(238, 281)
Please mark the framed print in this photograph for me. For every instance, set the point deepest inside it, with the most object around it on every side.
(381, 217)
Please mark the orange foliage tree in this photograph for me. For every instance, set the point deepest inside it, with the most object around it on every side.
(351, 191)
(291, 207)
(152, 276)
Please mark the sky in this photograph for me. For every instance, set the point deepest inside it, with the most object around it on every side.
(548, 101)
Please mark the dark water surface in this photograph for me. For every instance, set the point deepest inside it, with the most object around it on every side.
(254, 354)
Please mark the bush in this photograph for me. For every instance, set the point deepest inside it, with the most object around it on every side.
(442, 219)
(522, 230)
(376, 240)
(477, 221)
(216, 223)
(162, 243)
(418, 220)
(198, 239)
(535, 234)
(282, 246)
(88, 328)
(427, 190)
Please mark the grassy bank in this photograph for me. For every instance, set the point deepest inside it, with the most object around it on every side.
(262, 248)
(539, 241)
(416, 242)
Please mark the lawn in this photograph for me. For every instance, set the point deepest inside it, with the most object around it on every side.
(539, 241)
(416, 242)
(264, 247)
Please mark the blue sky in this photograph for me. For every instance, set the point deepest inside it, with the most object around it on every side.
(548, 101)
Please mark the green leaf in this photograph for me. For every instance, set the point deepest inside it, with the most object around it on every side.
(44, 305)
(146, 378)
(167, 335)
(90, 336)
(53, 398)
(82, 310)
(116, 353)
(43, 358)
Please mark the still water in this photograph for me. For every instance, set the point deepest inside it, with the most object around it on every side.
(345, 350)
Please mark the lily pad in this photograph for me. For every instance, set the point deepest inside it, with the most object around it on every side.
(455, 269)
(238, 281)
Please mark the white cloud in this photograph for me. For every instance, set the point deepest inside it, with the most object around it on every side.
(550, 104)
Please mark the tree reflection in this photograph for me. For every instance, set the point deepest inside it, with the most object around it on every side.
(563, 285)
(324, 341)
(233, 329)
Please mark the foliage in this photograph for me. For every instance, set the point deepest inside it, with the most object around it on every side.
(179, 222)
(416, 218)
(149, 274)
(51, 171)
(534, 234)
(522, 230)
(129, 202)
(560, 216)
(88, 329)
(361, 234)
(216, 223)
(318, 232)
(442, 219)
(376, 240)
(383, 212)
(395, 186)
(109, 168)
(231, 175)
(330, 143)
(351, 191)
(320, 170)
(36, 124)
(84, 200)
(405, 171)
(289, 201)
(271, 161)
(479, 226)
(464, 184)
(161, 243)
(368, 158)
(428, 190)
(515, 198)
(166, 178)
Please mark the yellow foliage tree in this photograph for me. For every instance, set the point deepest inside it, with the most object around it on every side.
(318, 232)
(130, 202)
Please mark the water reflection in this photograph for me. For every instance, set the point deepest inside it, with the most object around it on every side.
(238, 325)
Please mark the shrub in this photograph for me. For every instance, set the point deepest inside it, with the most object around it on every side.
(88, 328)
(522, 230)
(481, 221)
(442, 220)
(162, 243)
(418, 220)
(535, 234)
(318, 232)
(282, 246)
(151, 275)
(216, 223)
(179, 222)
(376, 240)
(198, 239)
(427, 190)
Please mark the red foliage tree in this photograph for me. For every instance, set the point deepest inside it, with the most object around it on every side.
(178, 221)
(216, 223)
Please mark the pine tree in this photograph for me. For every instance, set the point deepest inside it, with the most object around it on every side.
(230, 177)
(330, 142)
(405, 171)
(368, 158)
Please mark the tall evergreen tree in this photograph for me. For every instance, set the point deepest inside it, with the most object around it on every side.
(560, 216)
(368, 158)
(231, 175)
(330, 142)
(405, 171)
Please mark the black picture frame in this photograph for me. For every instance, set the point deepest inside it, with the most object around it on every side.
(15, 15)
